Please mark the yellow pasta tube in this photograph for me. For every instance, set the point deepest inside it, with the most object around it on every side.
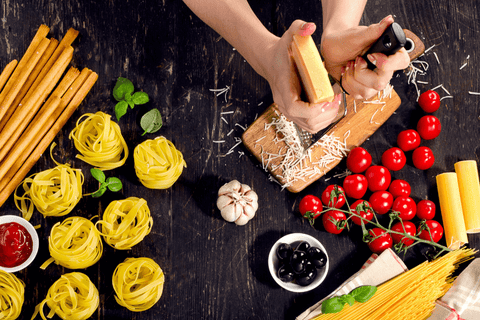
(158, 164)
(12, 291)
(72, 297)
(469, 186)
(138, 283)
(99, 141)
(125, 223)
(451, 208)
(74, 243)
(54, 192)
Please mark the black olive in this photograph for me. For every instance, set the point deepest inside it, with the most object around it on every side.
(285, 273)
(307, 277)
(303, 246)
(317, 257)
(298, 261)
(284, 252)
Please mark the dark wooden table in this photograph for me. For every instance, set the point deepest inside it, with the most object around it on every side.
(214, 269)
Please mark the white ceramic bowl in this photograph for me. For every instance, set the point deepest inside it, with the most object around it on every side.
(293, 240)
(33, 233)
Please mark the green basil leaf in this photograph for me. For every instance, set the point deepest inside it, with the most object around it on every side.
(364, 293)
(151, 121)
(114, 184)
(99, 192)
(121, 109)
(332, 305)
(122, 87)
(98, 174)
(140, 97)
(347, 298)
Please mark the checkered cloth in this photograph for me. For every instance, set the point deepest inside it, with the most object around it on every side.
(377, 270)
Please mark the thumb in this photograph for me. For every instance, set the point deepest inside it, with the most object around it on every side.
(374, 31)
(302, 28)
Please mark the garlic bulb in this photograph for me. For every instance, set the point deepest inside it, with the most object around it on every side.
(237, 202)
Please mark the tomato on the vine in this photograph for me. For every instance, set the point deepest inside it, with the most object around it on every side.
(408, 140)
(380, 240)
(394, 159)
(333, 196)
(406, 207)
(423, 158)
(400, 188)
(358, 160)
(429, 101)
(355, 185)
(310, 208)
(410, 229)
(429, 127)
(363, 209)
(436, 230)
(330, 219)
(426, 209)
(381, 201)
(378, 178)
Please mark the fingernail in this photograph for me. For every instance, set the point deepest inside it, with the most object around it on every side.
(306, 28)
(387, 18)
(372, 59)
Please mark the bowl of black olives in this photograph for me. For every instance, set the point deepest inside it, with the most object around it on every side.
(298, 262)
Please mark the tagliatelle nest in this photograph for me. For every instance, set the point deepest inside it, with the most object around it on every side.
(11, 295)
(158, 164)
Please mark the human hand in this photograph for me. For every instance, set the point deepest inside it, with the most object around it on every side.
(342, 51)
(280, 71)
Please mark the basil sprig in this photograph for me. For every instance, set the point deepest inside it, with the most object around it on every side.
(361, 294)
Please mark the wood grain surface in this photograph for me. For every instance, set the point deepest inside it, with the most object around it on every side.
(214, 269)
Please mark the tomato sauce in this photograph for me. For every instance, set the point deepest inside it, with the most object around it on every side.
(16, 244)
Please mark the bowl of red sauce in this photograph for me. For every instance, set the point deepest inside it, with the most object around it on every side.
(18, 243)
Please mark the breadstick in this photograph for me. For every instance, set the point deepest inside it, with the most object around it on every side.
(48, 138)
(7, 72)
(19, 79)
(22, 116)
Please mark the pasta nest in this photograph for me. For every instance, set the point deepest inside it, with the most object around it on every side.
(11, 295)
(125, 223)
(54, 192)
(72, 297)
(158, 164)
(138, 283)
(99, 141)
(74, 243)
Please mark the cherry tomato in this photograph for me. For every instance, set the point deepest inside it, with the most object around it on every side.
(355, 186)
(423, 158)
(408, 140)
(410, 229)
(358, 160)
(381, 201)
(363, 209)
(400, 188)
(425, 209)
(429, 101)
(406, 207)
(436, 230)
(429, 127)
(333, 196)
(380, 241)
(394, 159)
(310, 208)
(378, 178)
(330, 220)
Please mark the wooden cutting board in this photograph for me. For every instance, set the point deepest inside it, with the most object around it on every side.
(363, 118)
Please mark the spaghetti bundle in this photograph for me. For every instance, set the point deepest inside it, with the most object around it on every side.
(99, 141)
(138, 283)
(54, 192)
(72, 297)
(410, 295)
(125, 223)
(12, 292)
(75, 244)
(158, 164)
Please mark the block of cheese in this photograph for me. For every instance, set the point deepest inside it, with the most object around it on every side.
(312, 72)
(468, 183)
(451, 208)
